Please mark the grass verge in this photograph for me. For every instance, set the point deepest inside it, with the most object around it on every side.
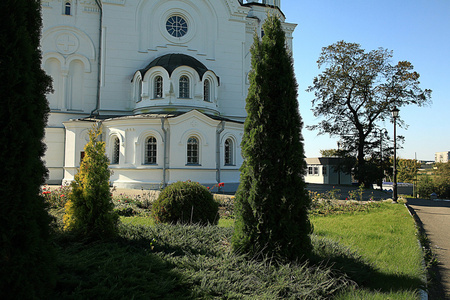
(386, 238)
(369, 253)
(183, 262)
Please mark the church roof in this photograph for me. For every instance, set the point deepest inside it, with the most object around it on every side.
(172, 61)
(155, 115)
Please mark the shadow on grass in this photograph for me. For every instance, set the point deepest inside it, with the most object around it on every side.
(115, 270)
(343, 259)
(183, 262)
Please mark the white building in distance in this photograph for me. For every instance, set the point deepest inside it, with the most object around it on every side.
(166, 79)
(442, 157)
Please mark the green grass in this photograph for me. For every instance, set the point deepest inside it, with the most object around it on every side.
(385, 237)
(369, 253)
(182, 262)
(148, 221)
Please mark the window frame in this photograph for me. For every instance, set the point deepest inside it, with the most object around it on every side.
(177, 26)
(207, 91)
(316, 170)
(229, 152)
(67, 8)
(151, 155)
(158, 87)
(115, 153)
(184, 90)
(193, 151)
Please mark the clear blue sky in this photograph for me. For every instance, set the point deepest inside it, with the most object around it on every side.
(416, 30)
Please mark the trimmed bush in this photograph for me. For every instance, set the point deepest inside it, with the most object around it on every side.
(186, 203)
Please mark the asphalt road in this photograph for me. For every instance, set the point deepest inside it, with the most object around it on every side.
(435, 216)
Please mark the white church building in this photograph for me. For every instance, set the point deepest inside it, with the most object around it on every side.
(165, 79)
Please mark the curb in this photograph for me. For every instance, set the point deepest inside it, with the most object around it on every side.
(423, 293)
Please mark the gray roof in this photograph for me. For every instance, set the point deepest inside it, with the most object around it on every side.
(172, 61)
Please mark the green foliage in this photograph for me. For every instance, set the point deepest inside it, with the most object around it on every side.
(443, 180)
(128, 206)
(385, 237)
(187, 262)
(56, 198)
(329, 152)
(357, 194)
(425, 186)
(407, 169)
(89, 211)
(357, 91)
(439, 183)
(272, 202)
(187, 203)
(197, 262)
(27, 263)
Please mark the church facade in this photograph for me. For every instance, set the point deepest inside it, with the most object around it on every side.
(166, 80)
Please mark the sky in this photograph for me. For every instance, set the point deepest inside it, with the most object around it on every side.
(417, 31)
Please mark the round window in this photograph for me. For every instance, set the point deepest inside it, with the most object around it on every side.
(176, 26)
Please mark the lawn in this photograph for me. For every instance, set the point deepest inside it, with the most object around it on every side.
(386, 239)
(369, 253)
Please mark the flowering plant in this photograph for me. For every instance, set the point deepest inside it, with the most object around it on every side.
(56, 197)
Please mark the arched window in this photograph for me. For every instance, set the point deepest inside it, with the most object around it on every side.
(67, 9)
(115, 151)
(228, 152)
(184, 87)
(207, 91)
(158, 87)
(192, 151)
(139, 91)
(150, 151)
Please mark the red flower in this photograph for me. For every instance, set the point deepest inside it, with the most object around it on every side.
(221, 184)
(207, 187)
(46, 192)
(62, 195)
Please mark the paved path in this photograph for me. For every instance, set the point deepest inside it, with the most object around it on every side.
(435, 216)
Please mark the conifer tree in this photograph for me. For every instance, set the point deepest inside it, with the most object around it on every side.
(272, 202)
(27, 268)
(89, 211)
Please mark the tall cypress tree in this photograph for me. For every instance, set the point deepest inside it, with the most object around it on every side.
(272, 201)
(26, 256)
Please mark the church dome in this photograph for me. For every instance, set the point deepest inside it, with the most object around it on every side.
(175, 83)
(172, 61)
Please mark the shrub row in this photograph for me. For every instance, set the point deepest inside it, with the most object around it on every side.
(181, 202)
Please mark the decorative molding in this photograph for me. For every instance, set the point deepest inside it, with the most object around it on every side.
(116, 2)
(289, 27)
(67, 43)
(237, 12)
(45, 4)
(89, 9)
(251, 25)
(67, 40)
(87, 2)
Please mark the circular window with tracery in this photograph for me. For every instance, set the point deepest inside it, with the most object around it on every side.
(176, 26)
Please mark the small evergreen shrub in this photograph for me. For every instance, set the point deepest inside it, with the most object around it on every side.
(89, 212)
(187, 203)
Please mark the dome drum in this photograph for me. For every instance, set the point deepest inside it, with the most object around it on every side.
(175, 82)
